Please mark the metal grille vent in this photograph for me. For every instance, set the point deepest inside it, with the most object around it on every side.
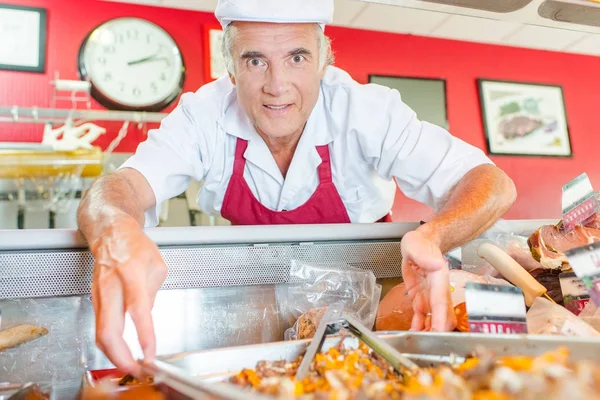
(67, 272)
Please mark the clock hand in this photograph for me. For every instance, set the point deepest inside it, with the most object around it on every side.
(147, 59)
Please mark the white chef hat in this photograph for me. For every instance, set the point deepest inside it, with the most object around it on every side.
(279, 11)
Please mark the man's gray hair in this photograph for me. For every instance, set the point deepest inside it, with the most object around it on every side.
(323, 42)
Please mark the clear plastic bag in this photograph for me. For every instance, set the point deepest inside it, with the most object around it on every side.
(547, 318)
(514, 245)
(312, 287)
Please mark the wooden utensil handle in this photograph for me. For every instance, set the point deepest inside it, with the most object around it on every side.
(512, 270)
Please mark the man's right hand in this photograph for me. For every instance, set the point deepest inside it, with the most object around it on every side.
(128, 272)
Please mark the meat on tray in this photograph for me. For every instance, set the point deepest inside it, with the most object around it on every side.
(549, 243)
(360, 374)
(395, 310)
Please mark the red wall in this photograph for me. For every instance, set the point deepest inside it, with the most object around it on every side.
(538, 180)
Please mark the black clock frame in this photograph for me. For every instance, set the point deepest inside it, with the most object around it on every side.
(113, 104)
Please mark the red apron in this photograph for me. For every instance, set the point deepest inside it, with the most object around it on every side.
(325, 206)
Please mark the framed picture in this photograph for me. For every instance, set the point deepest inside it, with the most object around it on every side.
(525, 119)
(426, 96)
(214, 65)
(23, 33)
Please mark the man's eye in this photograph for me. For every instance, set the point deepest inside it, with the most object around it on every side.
(298, 59)
(255, 62)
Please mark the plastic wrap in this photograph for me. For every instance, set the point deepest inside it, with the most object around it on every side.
(546, 318)
(458, 283)
(591, 315)
(312, 287)
(514, 245)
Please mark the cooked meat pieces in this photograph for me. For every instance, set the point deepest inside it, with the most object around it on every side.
(309, 321)
(360, 374)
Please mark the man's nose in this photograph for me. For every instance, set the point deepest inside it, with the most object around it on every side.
(277, 80)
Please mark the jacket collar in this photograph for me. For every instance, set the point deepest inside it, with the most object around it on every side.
(235, 121)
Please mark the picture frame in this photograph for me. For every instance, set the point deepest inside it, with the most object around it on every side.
(214, 64)
(23, 30)
(524, 119)
(427, 96)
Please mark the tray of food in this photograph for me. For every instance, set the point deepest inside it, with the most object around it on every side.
(111, 383)
(451, 366)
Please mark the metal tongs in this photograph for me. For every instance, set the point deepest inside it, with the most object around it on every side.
(193, 388)
(335, 319)
(25, 391)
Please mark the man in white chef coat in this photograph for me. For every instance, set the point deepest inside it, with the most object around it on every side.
(286, 138)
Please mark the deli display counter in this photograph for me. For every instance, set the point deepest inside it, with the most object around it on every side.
(221, 290)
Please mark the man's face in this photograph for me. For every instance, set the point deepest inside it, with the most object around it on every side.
(277, 75)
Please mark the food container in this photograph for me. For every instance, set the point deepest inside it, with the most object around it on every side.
(425, 348)
(28, 163)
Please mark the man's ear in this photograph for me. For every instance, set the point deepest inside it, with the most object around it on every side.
(322, 74)
(232, 78)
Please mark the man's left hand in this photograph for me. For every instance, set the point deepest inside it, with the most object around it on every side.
(426, 277)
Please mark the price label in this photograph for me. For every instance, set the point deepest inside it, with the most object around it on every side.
(575, 294)
(585, 261)
(579, 202)
(497, 309)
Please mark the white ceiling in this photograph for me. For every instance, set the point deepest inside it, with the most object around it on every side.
(522, 28)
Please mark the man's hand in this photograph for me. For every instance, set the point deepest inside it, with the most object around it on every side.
(128, 272)
(425, 274)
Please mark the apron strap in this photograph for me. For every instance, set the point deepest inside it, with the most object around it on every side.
(239, 162)
(324, 169)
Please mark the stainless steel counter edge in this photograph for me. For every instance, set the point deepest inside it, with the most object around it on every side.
(46, 239)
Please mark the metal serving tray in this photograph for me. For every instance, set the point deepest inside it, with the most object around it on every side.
(425, 348)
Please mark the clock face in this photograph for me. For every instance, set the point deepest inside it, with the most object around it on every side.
(132, 64)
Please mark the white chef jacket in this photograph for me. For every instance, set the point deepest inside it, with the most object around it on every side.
(374, 139)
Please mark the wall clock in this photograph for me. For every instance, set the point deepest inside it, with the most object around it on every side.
(132, 64)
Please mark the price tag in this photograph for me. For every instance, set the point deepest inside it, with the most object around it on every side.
(585, 261)
(575, 294)
(579, 202)
(495, 309)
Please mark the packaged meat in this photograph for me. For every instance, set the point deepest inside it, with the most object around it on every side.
(547, 318)
(458, 283)
(312, 287)
(309, 321)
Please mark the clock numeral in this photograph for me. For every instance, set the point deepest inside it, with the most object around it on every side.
(133, 34)
(102, 60)
(154, 87)
(110, 49)
(163, 76)
(108, 76)
(137, 92)
(122, 86)
(148, 38)
(121, 39)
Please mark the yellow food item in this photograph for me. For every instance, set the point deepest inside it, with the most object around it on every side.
(36, 164)
(360, 374)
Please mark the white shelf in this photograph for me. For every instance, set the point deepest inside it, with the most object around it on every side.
(45, 115)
